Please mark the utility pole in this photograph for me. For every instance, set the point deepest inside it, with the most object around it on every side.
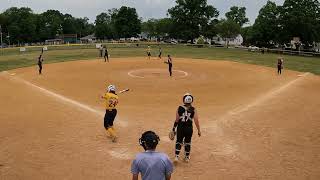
(1, 40)
(8, 38)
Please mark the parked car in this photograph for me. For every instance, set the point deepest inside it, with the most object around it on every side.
(4, 45)
(253, 48)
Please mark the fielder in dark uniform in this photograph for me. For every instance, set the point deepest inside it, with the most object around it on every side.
(40, 60)
(149, 52)
(280, 65)
(183, 126)
(169, 62)
(106, 54)
(160, 53)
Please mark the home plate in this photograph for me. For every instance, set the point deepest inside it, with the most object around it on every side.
(12, 74)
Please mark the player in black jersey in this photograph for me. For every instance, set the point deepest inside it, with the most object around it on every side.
(183, 126)
(169, 62)
(40, 61)
(280, 65)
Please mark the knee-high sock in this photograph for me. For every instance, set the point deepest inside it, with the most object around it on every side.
(178, 148)
(187, 148)
(111, 132)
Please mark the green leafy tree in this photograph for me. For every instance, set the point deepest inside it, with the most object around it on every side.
(164, 27)
(238, 15)
(228, 29)
(157, 27)
(50, 24)
(247, 34)
(126, 22)
(210, 30)
(266, 28)
(150, 27)
(300, 18)
(83, 27)
(103, 28)
(69, 25)
(191, 17)
(21, 23)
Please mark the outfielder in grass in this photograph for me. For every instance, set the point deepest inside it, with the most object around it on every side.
(183, 127)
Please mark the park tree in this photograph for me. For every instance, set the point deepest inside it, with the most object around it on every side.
(103, 29)
(191, 17)
(228, 29)
(164, 27)
(69, 25)
(300, 18)
(247, 34)
(266, 28)
(158, 27)
(210, 30)
(83, 26)
(21, 24)
(238, 15)
(50, 24)
(150, 27)
(126, 22)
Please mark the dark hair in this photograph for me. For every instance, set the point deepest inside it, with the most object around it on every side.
(149, 140)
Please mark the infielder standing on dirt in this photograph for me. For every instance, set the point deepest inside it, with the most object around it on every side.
(183, 127)
(160, 53)
(169, 62)
(40, 61)
(149, 52)
(152, 165)
(111, 101)
(106, 54)
(280, 65)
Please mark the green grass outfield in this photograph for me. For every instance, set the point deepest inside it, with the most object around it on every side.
(12, 58)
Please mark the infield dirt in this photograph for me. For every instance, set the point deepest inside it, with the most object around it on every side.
(255, 124)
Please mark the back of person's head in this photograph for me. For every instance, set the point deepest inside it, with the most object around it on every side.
(149, 140)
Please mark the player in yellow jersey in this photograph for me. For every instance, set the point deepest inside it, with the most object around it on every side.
(111, 100)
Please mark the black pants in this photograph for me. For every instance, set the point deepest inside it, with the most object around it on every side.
(184, 135)
(106, 57)
(170, 69)
(40, 68)
(109, 118)
(279, 69)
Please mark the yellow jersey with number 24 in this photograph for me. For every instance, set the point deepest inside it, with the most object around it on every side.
(111, 100)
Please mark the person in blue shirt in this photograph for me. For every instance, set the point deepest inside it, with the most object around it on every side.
(152, 165)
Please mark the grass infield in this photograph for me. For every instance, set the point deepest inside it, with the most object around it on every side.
(12, 58)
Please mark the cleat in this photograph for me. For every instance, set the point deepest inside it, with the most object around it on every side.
(176, 159)
(187, 159)
(114, 139)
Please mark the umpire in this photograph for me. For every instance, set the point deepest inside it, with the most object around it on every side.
(151, 164)
(183, 126)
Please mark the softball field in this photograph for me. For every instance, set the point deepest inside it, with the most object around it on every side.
(255, 124)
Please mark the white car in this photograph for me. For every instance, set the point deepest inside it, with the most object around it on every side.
(253, 48)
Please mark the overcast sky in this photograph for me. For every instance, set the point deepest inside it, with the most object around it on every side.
(146, 8)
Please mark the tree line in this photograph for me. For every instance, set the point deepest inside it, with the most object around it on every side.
(187, 20)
